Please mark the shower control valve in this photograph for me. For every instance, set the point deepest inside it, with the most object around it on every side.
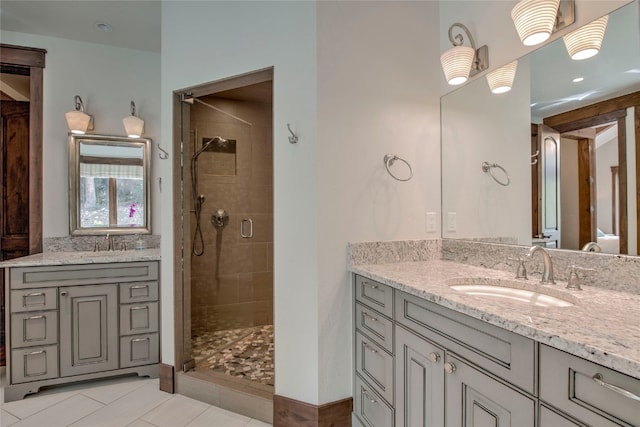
(220, 218)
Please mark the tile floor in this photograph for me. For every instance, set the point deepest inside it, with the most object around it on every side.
(125, 401)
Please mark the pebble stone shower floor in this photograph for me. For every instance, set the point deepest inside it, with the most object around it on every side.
(245, 353)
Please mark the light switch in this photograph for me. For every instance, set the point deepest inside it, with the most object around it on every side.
(431, 222)
(451, 221)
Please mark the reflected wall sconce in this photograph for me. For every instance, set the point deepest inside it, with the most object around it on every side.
(461, 62)
(501, 80)
(78, 120)
(536, 20)
(133, 125)
(586, 41)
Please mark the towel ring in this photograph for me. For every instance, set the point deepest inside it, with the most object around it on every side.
(389, 160)
(488, 167)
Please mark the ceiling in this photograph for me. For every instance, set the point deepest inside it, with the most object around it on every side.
(615, 70)
(135, 24)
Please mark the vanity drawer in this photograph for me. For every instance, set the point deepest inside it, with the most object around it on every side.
(34, 300)
(375, 365)
(375, 325)
(34, 328)
(370, 408)
(583, 390)
(375, 295)
(138, 318)
(508, 355)
(34, 363)
(138, 292)
(139, 350)
(85, 274)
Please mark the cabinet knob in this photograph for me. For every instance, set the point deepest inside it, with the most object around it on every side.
(449, 368)
(434, 357)
(64, 293)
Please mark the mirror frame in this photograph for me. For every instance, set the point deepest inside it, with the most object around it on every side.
(75, 228)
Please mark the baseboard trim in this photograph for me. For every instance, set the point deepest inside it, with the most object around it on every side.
(167, 378)
(294, 413)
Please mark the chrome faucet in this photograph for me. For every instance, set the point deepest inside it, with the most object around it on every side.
(109, 240)
(547, 274)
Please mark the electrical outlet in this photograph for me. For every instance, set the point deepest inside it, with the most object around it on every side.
(431, 222)
(451, 221)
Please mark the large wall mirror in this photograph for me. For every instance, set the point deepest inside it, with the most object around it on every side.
(109, 185)
(571, 181)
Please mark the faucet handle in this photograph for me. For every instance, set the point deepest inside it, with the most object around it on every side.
(574, 280)
(521, 273)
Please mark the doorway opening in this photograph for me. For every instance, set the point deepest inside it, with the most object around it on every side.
(21, 107)
(226, 238)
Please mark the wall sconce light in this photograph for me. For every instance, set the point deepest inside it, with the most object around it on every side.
(501, 80)
(585, 42)
(536, 20)
(133, 126)
(461, 62)
(78, 121)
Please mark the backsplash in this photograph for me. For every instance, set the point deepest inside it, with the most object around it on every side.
(88, 243)
(614, 272)
(391, 252)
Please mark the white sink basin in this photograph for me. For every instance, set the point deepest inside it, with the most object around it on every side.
(520, 292)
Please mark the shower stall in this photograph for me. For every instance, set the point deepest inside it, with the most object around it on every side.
(227, 229)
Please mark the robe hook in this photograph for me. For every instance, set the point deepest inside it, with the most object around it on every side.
(293, 138)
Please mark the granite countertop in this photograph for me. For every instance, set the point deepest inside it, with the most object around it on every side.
(602, 326)
(68, 258)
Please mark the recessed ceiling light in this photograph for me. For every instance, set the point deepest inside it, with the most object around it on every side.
(578, 79)
(104, 27)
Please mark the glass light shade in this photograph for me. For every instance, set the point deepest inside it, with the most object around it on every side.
(133, 126)
(585, 42)
(501, 80)
(77, 121)
(456, 64)
(534, 20)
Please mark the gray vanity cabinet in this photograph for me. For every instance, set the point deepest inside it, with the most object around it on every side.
(88, 329)
(452, 370)
(79, 322)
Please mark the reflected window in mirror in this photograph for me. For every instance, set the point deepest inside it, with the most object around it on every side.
(109, 180)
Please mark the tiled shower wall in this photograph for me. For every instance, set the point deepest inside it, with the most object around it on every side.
(232, 282)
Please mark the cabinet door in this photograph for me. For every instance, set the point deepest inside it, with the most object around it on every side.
(474, 399)
(419, 381)
(88, 329)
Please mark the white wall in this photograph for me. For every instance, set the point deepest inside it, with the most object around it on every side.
(374, 92)
(632, 173)
(107, 79)
(490, 23)
(479, 126)
(207, 41)
(378, 93)
(606, 156)
(569, 201)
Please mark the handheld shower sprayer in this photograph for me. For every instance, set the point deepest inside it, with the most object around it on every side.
(198, 199)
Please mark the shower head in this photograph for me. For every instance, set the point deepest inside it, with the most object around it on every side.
(217, 139)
